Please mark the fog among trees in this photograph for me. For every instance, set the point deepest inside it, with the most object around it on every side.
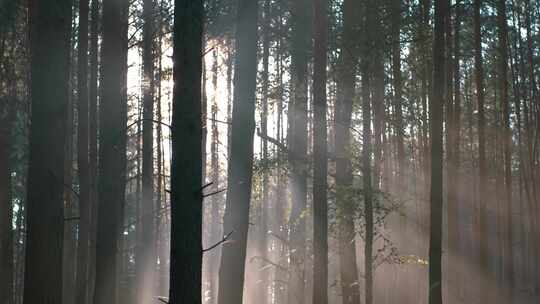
(269, 151)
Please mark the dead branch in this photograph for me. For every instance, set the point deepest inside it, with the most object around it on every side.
(223, 240)
(214, 193)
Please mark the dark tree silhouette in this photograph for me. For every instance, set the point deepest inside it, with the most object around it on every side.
(111, 152)
(50, 25)
(231, 272)
(187, 162)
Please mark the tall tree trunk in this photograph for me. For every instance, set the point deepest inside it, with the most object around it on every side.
(215, 232)
(344, 179)
(81, 295)
(70, 243)
(92, 145)
(398, 94)
(375, 84)
(264, 274)
(507, 145)
(531, 175)
(145, 247)
(187, 163)
(436, 135)
(374, 11)
(320, 162)
(453, 184)
(50, 24)
(366, 160)
(482, 169)
(300, 44)
(231, 272)
(122, 147)
(111, 158)
(6, 205)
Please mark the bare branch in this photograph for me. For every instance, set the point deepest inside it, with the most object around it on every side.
(215, 192)
(223, 240)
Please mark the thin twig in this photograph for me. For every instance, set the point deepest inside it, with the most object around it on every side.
(223, 240)
(162, 300)
(214, 193)
(220, 121)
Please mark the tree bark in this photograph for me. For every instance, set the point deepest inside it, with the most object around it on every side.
(216, 232)
(6, 204)
(263, 277)
(454, 181)
(232, 265)
(507, 145)
(81, 295)
(92, 145)
(145, 248)
(398, 87)
(187, 163)
(344, 178)
(436, 135)
(482, 169)
(111, 158)
(320, 165)
(50, 24)
(300, 47)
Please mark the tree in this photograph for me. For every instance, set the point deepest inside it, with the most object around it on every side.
(300, 46)
(146, 256)
(507, 143)
(482, 169)
(92, 144)
(187, 163)
(344, 178)
(398, 86)
(111, 152)
(6, 205)
(50, 24)
(367, 155)
(81, 295)
(320, 164)
(236, 218)
(436, 136)
(215, 231)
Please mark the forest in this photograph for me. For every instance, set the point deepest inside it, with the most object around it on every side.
(269, 151)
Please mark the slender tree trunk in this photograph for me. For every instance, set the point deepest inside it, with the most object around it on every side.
(507, 145)
(375, 85)
(342, 124)
(50, 24)
(81, 295)
(123, 288)
(70, 226)
(111, 139)
(236, 219)
(300, 44)
(6, 205)
(453, 184)
(161, 234)
(92, 145)
(263, 274)
(398, 94)
(482, 169)
(436, 135)
(186, 166)
(531, 175)
(215, 232)
(145, 248)
(320, 164)
(366, 161)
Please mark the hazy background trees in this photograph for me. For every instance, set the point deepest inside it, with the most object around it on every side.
(270, 151)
